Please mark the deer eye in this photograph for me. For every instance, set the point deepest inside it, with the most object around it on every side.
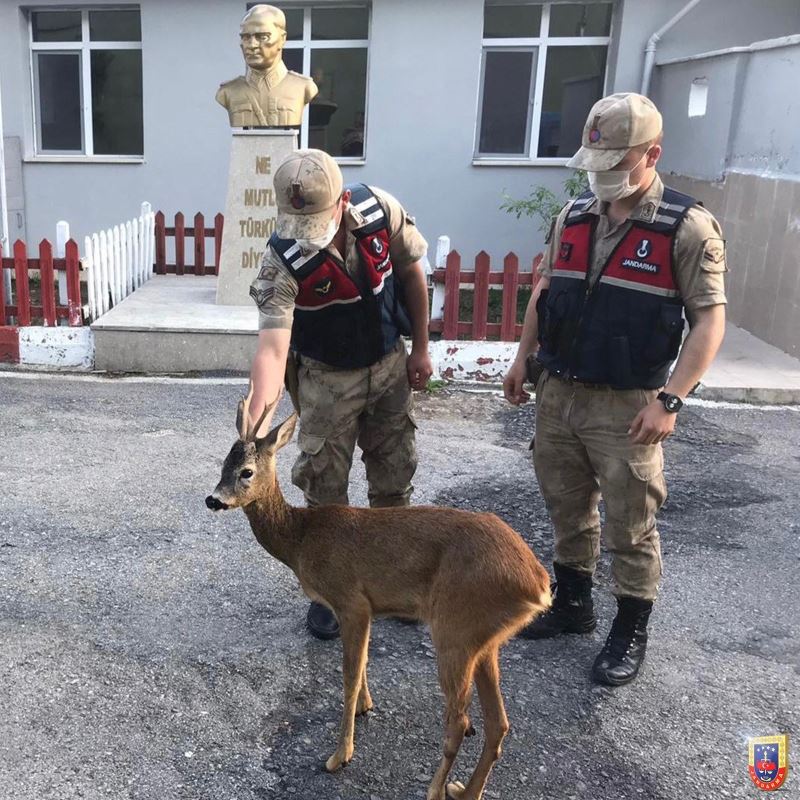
(246, 474)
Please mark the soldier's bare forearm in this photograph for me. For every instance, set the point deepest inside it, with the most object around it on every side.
(528, 342)
(699, 349)
(267, 371)
(415, 288)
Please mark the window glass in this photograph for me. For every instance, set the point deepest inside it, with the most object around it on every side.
(294, 23)
(117, 102)
(580, 19)
(293, 58)
(336, 114)
(59, 101)
(573, 82)
(506, 101)
(504, 21)
(339, 23)
(56, 26)
(115, 26)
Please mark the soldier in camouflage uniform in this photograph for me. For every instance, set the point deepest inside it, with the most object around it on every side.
(340, 283)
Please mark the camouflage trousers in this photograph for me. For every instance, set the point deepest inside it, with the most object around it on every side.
(341, 407)
(582, 451)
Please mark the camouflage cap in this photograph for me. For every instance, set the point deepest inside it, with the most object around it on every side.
(616, 124)
(308, 185)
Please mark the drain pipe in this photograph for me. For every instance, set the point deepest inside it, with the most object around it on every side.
(5, 239)
(652, 44)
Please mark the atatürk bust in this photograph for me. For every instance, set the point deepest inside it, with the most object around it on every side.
(268, 95)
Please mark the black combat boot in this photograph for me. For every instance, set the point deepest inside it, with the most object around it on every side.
(619, 661)
(322, 622)
(572, 610)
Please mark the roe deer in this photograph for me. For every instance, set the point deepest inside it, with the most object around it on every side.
(468, 575)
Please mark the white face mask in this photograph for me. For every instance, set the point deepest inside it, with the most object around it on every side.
(320, 242)
(613, 184)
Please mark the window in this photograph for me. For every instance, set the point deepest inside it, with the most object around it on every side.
(698, 97)
(87, 82)
(543, 67)
(331, 44)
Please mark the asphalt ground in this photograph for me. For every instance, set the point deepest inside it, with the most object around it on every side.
(151, 649)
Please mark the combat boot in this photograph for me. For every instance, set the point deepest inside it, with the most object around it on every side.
(619, 661)
(572, 610)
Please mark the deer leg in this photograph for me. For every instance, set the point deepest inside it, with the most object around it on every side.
(355, 643)
(487, 681)
(455, 677)
(364, 703)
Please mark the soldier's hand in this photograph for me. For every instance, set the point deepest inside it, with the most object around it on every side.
(512, 384)
(652, 424)
(419, 368)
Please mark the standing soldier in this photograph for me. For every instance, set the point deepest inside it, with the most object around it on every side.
(624, 262)
(340, 282)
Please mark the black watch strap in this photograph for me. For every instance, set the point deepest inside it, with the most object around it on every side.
(671, 402)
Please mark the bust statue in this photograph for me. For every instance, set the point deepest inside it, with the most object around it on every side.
(268, 95)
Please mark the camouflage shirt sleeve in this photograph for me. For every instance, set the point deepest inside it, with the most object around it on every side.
(406, 243)
(545, 268)
(699, 264)
(274, 291)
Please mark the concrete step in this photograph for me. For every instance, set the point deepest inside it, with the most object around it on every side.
(172, 324)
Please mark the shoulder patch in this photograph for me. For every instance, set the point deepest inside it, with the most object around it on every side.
(714, 251)
(261, 295)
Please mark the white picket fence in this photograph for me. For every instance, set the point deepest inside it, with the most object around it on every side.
(118, 261)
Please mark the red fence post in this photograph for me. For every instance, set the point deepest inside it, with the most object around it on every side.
(219, 221)
(161, 244)
(480, 296)
(2, 291)
(199, 244)
(74, 284)
(508, 322)
(22, 289)
(46, 282)
(180, 242)
(452, 280)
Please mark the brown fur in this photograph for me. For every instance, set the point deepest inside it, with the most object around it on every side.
(469, 576)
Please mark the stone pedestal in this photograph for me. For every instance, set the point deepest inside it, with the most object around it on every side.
(250, 209)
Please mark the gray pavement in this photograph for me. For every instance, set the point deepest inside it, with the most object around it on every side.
(151, 650)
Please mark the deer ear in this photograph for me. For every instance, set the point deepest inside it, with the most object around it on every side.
(280, 435)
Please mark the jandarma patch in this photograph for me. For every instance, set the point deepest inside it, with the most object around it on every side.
(323, 287)
(768, 761)
(565, 251)
(640, 266)
(714, 250)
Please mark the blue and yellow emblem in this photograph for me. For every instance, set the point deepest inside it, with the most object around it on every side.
(768, 761)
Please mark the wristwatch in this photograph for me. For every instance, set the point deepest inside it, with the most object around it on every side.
(671, 402)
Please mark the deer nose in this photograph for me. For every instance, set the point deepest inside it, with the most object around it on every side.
(215, 504)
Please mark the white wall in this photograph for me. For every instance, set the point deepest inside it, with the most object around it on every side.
(423, 91)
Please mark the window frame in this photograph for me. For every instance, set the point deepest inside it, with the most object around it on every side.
(538, 46)
(84, 48)
(306, 44)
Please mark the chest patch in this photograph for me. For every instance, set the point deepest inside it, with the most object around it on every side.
(377, 246)
(565, 251)
(323, 287)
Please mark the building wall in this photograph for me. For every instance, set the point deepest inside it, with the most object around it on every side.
(423, 85)
(743, 161)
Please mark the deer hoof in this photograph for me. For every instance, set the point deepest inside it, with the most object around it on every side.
(337, 761)
(455, 791)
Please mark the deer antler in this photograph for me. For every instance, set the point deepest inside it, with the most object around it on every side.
(248, 432)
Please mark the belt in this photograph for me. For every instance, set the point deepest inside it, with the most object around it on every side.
(583, 384)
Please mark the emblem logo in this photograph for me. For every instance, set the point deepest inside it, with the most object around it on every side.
(594, 135)
(377, 246)
(295, 198)
(645, 248)
(768, 761)
(323, 287)
(565, 251)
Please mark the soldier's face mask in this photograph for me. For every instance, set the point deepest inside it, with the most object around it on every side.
(321, 242)
(614, 184)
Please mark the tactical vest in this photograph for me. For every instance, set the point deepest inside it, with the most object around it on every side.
(626, 329)
(336, 320)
